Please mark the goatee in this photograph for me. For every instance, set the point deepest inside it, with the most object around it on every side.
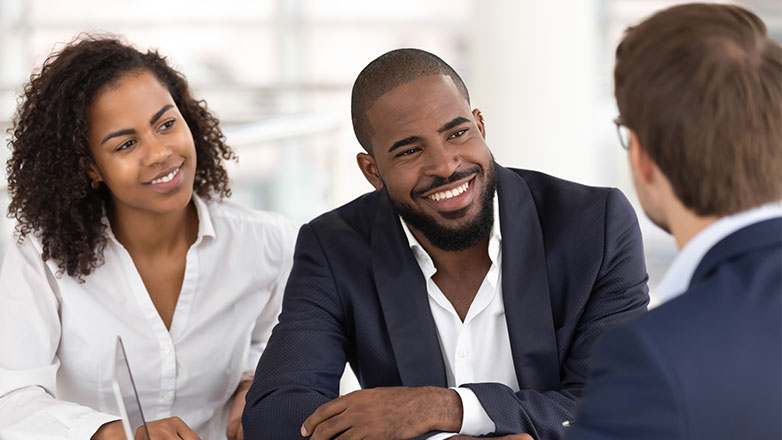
(465, 236)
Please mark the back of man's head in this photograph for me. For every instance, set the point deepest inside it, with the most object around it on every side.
(388, 71)
(701, 87)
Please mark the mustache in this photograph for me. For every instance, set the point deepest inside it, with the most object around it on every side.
(438, 181)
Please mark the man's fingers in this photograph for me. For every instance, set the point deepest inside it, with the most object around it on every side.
(331, 427)
(352, 434)
(325, 411)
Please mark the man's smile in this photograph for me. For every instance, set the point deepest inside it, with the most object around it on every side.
(454, 196)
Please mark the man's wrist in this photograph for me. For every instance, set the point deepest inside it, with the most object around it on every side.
(446, 408)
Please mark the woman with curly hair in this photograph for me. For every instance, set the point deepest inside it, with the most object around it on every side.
(117, 182)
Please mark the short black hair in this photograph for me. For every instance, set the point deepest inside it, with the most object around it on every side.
(388, 71)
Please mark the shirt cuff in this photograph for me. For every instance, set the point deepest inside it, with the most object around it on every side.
(87, 425)
(247, 375)
(475, 420)
(442, 436)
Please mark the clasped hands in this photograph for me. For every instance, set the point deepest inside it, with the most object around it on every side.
(389, 413)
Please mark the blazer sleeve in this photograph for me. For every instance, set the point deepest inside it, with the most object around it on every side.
(619, 292)
(630, 393)
(302, 364)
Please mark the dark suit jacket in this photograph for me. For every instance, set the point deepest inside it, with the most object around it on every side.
(572, 265)
(706, 365)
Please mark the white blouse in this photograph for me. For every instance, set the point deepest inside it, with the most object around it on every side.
(57, 336)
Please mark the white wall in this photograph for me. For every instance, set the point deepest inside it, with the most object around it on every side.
(533, 74)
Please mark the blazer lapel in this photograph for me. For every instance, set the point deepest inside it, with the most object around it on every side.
(401, 288)
(525, 286)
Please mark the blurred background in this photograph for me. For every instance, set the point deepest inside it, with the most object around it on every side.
(278, 74)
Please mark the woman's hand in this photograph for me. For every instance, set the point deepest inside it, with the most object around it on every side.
(163, 429)
(110, 431)
(234, 430)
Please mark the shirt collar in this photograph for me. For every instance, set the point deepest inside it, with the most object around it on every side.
(677, 277)
(205, 225)
(425, 261)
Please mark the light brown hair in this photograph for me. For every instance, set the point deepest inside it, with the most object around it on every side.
(701, 87)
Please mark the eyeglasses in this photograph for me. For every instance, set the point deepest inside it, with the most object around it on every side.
(623, 131)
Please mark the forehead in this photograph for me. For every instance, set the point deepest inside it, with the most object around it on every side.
(415, 107)
(134, 96)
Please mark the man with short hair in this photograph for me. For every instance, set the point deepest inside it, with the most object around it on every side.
(699, 89)
(455, 272)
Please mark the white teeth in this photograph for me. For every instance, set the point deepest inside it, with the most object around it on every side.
(450, 193)
(166, 178)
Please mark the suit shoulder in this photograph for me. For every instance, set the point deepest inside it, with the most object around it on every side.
(551, 190)
(559, 200)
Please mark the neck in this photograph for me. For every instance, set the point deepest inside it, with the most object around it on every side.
(685, 224)
(154, 233)
(456, 263)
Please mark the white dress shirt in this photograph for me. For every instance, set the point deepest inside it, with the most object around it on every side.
(478, 349)
(57, 335)
(677, 277)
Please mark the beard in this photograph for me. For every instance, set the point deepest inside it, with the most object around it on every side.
(463, 236)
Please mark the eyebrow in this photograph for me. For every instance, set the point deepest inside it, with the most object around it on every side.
(454, 122)
(403, 142)
(412, 139)
(117, 133)
(159, 113)
(127, 131)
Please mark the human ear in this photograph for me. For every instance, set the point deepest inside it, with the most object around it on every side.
(640, 161)
(368, 166)
(94, 173)
(479, 121)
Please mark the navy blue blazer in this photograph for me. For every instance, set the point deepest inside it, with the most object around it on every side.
(572, 265)
(707, 364)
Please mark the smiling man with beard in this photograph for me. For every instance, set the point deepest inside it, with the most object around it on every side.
(465, 296)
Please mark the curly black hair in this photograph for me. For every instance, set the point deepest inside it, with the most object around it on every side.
(47, 168)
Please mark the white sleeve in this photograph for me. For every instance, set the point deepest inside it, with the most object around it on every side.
(267, 318)
(475, 419)
(29, 337)
(442, 436)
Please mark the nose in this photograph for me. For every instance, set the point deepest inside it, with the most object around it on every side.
(440, 160)
(156, 150)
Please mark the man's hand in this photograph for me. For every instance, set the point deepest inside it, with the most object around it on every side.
(234, 430)
(386, 413)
